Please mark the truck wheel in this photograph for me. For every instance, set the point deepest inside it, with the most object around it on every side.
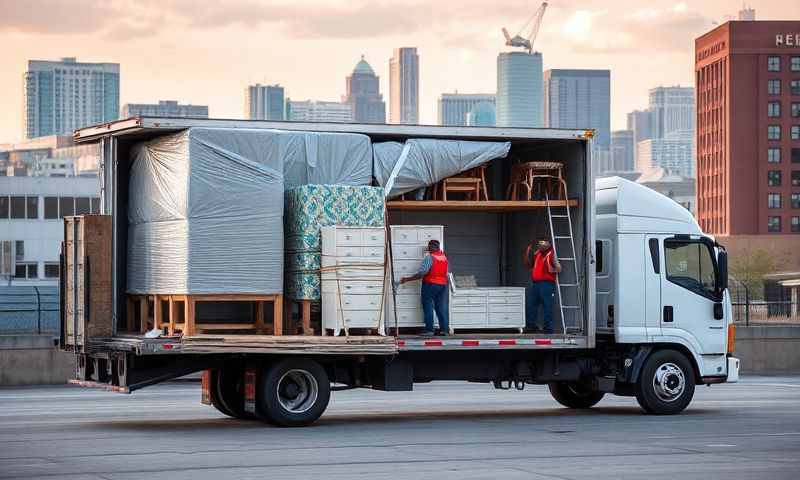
(574, 394)
(293, 392)
(666, 383)
(227, 393)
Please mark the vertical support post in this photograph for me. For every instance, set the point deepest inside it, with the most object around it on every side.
(189, 310)
(157, 312)
(260, 317)
(307, 317)
(277, 315)
(173, 314)
(130, 312)
(143, 314)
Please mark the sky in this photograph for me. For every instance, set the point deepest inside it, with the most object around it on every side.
(206, 52)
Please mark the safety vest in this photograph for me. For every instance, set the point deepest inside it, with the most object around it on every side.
(540, 271)
(437, 275)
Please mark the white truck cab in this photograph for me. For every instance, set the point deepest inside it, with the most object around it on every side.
(661, 281)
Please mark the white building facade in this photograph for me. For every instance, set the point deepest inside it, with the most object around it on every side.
(454, 108)
(31, 224)
(164, 108)
(319, 111)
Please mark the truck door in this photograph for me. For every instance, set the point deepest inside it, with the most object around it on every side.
(688, 294)
(652, 284)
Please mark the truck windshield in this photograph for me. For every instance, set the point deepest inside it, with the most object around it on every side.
(690, 264)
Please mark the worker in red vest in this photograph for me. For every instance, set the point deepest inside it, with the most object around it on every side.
(433, 272)
(544, 267)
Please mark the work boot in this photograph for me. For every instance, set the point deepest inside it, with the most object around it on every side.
(443, 333)
(426, 333)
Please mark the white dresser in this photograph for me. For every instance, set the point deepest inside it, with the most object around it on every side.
(409, 244)
(353, 278)
(487, 307)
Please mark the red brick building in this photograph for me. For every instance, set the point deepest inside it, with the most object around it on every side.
(747, 79)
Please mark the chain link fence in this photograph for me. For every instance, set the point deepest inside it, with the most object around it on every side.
(772, 306)
(29, 310)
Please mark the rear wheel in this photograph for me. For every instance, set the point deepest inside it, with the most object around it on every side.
(227, 392)
(666, 383)
(293, 392)
(575, 394)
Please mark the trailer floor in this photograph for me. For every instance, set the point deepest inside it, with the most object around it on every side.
(440, 431)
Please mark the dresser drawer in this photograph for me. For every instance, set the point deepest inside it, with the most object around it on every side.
(348, 251)
(501, 292)
(373, 237)
(505, 308)
(507, 320)
(424, 235)
(403, 251)
(359, 302)
(406, 318)
(509, 300)
(467, 300)
(350, 273)
(407, 301)
(406, 268)
(404, 235)
(361, 318)
(467, 319)
(348, 236)
(360, 287)
(374, 252)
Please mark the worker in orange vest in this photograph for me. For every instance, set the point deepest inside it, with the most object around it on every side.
(433, 272)
(544, 267)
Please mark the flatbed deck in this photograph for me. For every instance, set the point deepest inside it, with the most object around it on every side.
(326, 345)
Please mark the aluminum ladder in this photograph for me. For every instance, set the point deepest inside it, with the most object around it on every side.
(556, 219)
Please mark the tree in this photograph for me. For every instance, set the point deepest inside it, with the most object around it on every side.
(750, 266)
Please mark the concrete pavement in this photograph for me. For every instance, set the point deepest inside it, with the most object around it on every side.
(444, 431)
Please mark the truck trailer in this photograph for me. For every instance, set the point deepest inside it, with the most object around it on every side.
(651, 315)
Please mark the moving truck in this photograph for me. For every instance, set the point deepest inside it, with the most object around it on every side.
(652, 317)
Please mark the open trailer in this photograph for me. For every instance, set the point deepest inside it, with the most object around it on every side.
(658, 324)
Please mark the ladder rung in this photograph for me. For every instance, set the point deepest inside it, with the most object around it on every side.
(570, 259)
(560, 236)
(559, 216)
(571, 307)
(567, 284)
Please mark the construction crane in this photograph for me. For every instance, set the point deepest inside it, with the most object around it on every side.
(527, 43)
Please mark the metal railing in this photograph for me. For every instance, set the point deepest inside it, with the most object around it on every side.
(773, 306)
(29, 309)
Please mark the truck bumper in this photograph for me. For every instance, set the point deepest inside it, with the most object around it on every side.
(733, 370)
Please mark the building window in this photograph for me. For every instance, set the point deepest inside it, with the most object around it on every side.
(51, 270)
(82, 205)
(19, 247)
(774, 87)
(795, 224)
(795, 110)
(774, 178)
(795, 132)
(796, 178)
(796, 200)
(773, 132)
(774, 224)
(795, 87)
(4, 208)
(773, 200)
(795, 158)
(95, 205)
(773, 64)
(32, 208)
(17, 207)
(50, 208)
(773, 156)
(66, 207)
(796, 64)
(774, 109)
(26, 270)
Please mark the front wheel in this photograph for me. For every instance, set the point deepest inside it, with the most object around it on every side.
(574, 394)
(666, 383)
(293, 392)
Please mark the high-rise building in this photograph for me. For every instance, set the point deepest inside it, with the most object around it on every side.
(672, 111)
(164, 108)
(264, 102)
(483, 114)
(640, 123)
(317, 111)
(579, 99)
(747, 14)
(622, 150)
(519, 90)
(747, 76)
(404, 86)
(454, 108)
(674, 155)
(364, 96)
(62, 96)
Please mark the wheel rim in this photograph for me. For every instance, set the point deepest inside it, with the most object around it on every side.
(669, 382)
(297, 391)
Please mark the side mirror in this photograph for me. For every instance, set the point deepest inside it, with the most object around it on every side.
(722, 271)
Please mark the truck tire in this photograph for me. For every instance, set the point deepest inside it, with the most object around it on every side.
(666, 383)
(227, 393)
(574, 394)
(293, 392)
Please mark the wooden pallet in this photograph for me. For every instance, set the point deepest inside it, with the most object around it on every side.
(305, 317)
(188, 325)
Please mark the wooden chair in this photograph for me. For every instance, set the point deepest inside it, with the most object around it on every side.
(534, 179)
(471, 183)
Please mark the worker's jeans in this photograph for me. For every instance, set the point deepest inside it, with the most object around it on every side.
(540, 293)
(434, 297)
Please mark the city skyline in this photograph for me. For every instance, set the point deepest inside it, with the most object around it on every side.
(585, 35)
